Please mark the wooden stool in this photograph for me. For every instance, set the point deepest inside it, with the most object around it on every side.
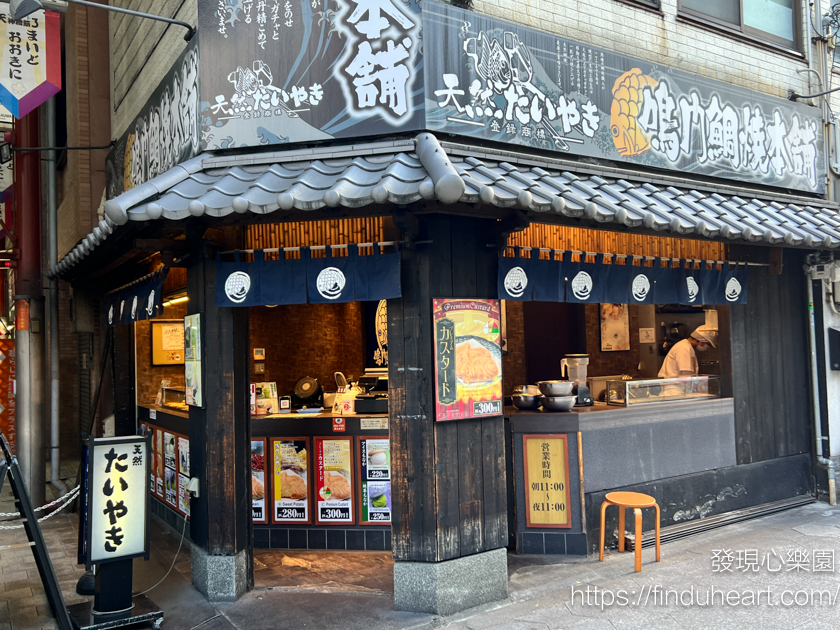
(637, 501)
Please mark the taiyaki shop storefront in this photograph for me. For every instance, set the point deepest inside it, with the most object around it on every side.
(421, 223)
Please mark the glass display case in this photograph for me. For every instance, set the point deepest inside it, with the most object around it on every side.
(174, 398)
(659, 390)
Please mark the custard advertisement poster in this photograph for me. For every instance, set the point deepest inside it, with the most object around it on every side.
(468, 358)
(334, 472)
(291, 480)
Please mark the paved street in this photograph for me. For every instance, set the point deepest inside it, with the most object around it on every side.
(776, 564)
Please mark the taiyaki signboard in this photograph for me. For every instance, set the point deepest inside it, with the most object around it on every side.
(468, 358)
(498, 81)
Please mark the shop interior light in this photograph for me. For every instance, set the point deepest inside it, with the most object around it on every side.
(176, 300)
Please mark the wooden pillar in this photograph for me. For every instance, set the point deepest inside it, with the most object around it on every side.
(219, 442)
(449, 488)
(122, 377)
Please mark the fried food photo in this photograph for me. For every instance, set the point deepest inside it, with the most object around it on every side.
(474, 365)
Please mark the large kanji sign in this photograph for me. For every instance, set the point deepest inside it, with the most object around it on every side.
(30, 61)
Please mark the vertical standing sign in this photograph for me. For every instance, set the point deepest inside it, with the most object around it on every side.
(118, 487)
(375, 480)
(468, 358)
(547, 495)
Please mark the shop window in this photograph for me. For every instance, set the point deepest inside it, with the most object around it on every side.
(775, 21)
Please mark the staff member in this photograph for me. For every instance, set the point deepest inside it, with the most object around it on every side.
(682, 360)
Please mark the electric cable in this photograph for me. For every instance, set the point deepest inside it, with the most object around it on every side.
(171, 566)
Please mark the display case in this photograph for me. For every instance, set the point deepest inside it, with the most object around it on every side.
(652, 391)
(174, 398)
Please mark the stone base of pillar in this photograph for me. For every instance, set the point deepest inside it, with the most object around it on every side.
(219, 578)
(444, 588)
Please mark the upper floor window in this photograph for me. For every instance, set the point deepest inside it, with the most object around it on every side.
(773, 20)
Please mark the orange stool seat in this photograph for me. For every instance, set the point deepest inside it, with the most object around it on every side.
(636, 501)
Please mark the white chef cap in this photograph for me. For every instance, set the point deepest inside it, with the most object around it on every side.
(707, 334)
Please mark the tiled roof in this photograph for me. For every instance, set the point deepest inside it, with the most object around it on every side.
(405, 171)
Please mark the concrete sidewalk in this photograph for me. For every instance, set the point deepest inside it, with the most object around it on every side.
(760, 572)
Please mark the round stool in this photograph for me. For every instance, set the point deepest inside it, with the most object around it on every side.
(637, 501)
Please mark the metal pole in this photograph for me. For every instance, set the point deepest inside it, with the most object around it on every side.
(52, 259)
(29, 299)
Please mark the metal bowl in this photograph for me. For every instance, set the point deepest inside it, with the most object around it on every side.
(556, 388)
(558, 403)
(527, 390)
(525, 402)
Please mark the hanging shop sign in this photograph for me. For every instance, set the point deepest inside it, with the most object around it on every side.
(193, 365)
(259, 487)
(138, 302)
(118, 477)
(165, 132)
(328, 280)
(290, 485)
(334, 474)
(375, 480)
(30, 60)
(274, 74)
(468, 358)
(689, 283)
(547, 494)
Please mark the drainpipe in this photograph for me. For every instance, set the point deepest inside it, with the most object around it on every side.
(52, 247)
(822, 462)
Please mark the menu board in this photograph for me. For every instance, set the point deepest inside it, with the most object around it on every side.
(157, 444)
(170, 477)
(547, 497)
(258, 479)
(334, 474)
(468, 358)
(184, 455)
(291, 480)
(375, 479)
(183, 495)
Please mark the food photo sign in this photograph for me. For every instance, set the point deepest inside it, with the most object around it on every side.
(375, 479)
(291, 480)
(334, 473)
(468, 358)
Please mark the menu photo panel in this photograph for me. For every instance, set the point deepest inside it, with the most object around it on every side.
(259, 481)
(374, 480)
(334, 478)
(291, 480)
(170, 472)
(158, 449)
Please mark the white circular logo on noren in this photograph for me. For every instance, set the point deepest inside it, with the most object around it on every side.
(693, 288)
(150, 305)
(516, 280)
(733, 290)
(134, 308)
(641, 287)
(122, 308)
(111, 314)
(330, 283)
(582, 285)
(237, 286)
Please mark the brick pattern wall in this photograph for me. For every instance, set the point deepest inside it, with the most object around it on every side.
(613, 362)
(314, 340)
(149, 376)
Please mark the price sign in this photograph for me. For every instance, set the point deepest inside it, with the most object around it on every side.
(547, 494)
(334, 472)
(375, 479)
(290, 460)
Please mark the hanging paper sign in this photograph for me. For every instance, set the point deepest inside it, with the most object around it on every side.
(330, 280)
(291, 480)
(468, 358)
(375, 479)
(585, 282)
(30, 61)
(334, 472)
(118, 474)
(158, 442)
(259, 492)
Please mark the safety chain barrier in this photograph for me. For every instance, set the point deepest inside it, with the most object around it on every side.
(66, 499)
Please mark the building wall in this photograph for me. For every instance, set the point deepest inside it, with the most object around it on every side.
(142, 52)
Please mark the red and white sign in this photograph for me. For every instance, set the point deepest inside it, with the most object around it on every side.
(30, 61)
(339, 426)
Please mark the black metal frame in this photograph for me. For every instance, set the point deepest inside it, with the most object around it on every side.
(742, 29)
